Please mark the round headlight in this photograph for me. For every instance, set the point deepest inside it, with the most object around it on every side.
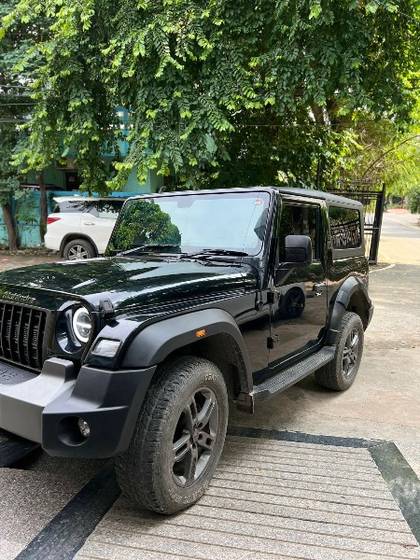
(82, 324)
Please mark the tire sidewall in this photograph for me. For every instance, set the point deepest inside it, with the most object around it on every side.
(207, 376)
(353, 321)
(86, 244)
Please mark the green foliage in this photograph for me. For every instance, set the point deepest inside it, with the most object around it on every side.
(218, 92)
(143, 222)
(384, 153)
(414, 200)
(9, 182)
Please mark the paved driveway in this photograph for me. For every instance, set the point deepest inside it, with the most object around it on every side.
(400, 239)
(20, 259)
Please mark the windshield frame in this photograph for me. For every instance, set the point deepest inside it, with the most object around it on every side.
(270, 191)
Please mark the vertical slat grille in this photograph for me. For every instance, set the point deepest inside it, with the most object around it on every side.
(21, 334)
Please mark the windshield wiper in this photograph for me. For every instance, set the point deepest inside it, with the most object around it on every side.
(149, 248)
(205, 253)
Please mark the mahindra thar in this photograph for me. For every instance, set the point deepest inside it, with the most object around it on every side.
(202, 298)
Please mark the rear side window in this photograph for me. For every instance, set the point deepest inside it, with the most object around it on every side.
(106, 208)
(345, 227)
(68, 206)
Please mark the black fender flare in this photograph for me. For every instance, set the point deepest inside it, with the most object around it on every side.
(340, 304)
(155, 342)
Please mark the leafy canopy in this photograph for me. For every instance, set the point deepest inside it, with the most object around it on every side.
(218, 91)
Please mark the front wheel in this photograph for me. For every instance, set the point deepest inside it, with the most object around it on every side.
(340, 373)
(178, 438)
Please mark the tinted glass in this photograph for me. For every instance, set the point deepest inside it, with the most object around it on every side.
(346, 231)
(67, 206)
(105, 208)
(194, 222)
(300, 219)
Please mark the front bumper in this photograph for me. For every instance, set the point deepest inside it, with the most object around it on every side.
(45, 407)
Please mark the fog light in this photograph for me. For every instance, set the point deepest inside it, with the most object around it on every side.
(106, 347)
(84, 428)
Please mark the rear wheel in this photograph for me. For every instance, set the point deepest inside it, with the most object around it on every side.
(78, 249)
(178, 438)
(340, 373)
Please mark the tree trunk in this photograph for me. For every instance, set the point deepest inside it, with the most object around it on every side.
(43, 207)
(10, 226)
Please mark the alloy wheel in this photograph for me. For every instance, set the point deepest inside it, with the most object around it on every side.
(350, 353)
(194, 438)
(77, 252)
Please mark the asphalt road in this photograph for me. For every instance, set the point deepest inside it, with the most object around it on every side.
(400, 225)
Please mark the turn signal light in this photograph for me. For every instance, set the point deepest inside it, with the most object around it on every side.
(200, 333)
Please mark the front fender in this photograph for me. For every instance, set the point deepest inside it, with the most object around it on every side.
(155, 342)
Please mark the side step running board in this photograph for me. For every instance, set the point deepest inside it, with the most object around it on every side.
(14, 448)
(288, 377)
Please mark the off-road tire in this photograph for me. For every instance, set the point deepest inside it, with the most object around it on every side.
(87, 247)
(145, 471)
(332, 375)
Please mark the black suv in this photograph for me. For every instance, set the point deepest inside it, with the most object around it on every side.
(202, 297)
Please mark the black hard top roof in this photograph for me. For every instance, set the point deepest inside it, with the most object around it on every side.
(330, 199)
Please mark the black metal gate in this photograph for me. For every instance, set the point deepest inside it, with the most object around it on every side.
(372, 196)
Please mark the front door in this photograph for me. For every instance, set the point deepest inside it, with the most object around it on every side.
(299, 311)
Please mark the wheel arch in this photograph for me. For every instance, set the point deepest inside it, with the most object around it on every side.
(351, 296)
(73, 236)
(212, 334)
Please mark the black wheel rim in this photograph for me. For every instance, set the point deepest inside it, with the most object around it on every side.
(351, 353)
(77, 252)
(194, 437)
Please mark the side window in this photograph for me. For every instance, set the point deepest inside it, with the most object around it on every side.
(345, 227)
(301, 219)
(106, 208)
(69, 206)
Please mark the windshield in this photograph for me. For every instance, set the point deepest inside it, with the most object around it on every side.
(193, 223)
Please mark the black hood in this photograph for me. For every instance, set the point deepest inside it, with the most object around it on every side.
(127, 282)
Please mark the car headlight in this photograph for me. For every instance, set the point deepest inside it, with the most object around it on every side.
(82, 324)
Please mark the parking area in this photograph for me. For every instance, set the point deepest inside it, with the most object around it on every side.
(270, 499)
(275, 495)
(313, 475)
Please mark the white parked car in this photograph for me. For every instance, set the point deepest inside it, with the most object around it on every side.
(80, 227)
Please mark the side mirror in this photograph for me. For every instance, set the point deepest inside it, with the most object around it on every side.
(298, 250)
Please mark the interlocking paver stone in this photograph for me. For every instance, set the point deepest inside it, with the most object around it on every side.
(336, 506)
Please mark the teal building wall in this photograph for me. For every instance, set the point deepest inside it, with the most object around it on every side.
(27, 208)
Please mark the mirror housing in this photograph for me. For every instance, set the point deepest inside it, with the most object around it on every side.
(298, 250)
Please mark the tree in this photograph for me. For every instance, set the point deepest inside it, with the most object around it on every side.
(8, 183)
(253, 89)
(18, 58)
(383, 152)
(12, 102)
